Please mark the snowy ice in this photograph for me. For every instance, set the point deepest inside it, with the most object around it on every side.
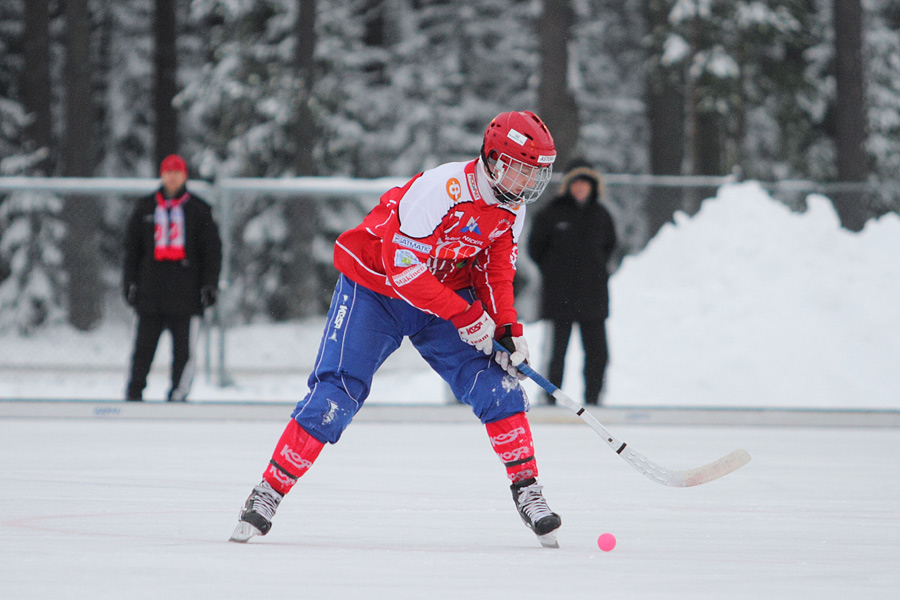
(112, 509)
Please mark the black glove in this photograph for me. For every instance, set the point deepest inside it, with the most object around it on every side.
(130, 293)
(208, 296)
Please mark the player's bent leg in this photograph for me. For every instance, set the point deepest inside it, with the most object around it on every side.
(500, 403)
(360, 333)
(511, 439)
(294, 454)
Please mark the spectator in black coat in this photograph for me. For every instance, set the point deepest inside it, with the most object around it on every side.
(571, 241)
(173, 254)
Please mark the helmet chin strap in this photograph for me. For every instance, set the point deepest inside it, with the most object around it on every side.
(506, 197)
(502, 196)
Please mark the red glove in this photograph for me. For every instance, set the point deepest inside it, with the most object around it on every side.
(475, 327)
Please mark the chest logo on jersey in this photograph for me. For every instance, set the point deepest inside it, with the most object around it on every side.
(471, 227)
(454, 189)
(455, 249)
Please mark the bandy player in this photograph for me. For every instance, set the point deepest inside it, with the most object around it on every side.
(434, 261)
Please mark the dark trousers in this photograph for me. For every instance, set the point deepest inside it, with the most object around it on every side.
(184, 330)
(596, 355)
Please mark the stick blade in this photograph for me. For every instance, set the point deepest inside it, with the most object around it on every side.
(714, 470)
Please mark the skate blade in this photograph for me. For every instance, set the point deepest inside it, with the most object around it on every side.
(548, 540)
(243, 532)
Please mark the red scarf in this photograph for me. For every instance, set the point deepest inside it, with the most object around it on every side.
(168, 228)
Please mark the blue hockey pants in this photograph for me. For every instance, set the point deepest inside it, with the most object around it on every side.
(363, 328)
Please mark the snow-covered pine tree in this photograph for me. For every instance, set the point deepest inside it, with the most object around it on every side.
(882, 53)
(126, 71)
(738, 58)
(31, 278)
(31, 234)
(239, 110)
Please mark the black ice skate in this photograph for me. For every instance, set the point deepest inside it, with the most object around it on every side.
(256, 516)
(535, 513)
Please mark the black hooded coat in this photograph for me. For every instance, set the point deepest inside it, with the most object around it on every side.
(172, 287)
(571, 245)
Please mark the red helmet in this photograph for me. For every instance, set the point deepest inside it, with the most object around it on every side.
(518, 154)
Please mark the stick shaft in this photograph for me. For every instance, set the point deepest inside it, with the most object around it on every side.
(691, 477)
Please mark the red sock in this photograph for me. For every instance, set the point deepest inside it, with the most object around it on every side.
(511, 440)
(294, 454)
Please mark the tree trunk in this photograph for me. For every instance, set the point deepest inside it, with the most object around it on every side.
(709, 146)
(81, 247)
(850, 117)
(665, 115)
(304, 119)
(165, 60)
(556, 105)
(302, 213)
(36, 84)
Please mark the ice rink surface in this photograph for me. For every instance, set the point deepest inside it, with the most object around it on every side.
(131, 509)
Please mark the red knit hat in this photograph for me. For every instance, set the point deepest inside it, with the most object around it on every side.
(173, 162)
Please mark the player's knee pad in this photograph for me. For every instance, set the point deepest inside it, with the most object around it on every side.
(327, 410)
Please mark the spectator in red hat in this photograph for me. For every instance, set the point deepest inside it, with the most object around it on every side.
(173, 255)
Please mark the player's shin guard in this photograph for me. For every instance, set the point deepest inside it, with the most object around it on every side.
(511, 440)
(294, 454)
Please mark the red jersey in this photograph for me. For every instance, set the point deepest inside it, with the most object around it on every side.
(442, 231)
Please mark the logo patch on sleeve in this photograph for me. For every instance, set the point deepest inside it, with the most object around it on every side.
(402, 240)
(454, 189)
(405, 258)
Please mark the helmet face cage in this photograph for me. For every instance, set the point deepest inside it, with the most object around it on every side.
(516, 182)
(518, 153)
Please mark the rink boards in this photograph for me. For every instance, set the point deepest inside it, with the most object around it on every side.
(690, 416)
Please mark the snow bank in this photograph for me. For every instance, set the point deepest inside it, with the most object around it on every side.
(749, 304)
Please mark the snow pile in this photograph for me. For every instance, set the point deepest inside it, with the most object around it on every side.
(749, 304)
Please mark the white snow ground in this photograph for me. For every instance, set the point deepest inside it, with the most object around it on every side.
(744, 305)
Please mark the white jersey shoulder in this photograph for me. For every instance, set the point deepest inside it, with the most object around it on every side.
(518, 224)
(431, 197)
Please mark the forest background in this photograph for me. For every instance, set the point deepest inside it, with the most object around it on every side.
(768, 90)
